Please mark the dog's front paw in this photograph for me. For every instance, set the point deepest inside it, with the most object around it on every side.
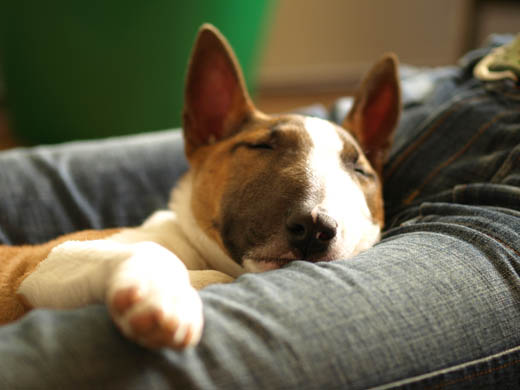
(154, 321)
(156, 306)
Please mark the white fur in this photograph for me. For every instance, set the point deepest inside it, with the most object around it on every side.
(163, 228)
(344, 200)
(75, 273)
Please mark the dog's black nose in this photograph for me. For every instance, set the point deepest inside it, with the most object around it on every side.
(310, 234)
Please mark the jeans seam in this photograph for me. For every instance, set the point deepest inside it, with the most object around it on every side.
(511, 96)
(472, 376)
(422, 139)
(506, 166)
(493, 238)
(420, 217)
(422, 380)
(434, 173)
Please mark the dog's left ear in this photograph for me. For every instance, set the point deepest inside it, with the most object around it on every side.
(216, 101)
(376, 109)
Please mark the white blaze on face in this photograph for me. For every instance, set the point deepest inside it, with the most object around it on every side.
(342, 197)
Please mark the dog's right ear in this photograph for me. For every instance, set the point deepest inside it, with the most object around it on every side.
(375, 113)
(216, 101)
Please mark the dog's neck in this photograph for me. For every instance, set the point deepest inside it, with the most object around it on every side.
(204, 247)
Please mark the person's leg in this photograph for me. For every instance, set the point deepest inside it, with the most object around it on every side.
(435, 305)
(49, 191)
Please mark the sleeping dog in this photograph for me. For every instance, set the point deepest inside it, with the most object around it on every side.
(262, 191)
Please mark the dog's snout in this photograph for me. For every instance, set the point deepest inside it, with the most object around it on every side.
(310, 233)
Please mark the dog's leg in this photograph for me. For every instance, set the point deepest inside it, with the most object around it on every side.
(146, 287)
(203, 278)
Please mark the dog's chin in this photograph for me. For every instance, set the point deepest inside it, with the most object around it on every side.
(262, 264)
(259, 261)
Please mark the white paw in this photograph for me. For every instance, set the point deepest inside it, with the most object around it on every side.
(152, 302)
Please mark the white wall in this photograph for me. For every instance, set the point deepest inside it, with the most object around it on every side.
(330, 43)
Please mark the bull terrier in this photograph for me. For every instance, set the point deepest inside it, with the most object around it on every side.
(262, 191)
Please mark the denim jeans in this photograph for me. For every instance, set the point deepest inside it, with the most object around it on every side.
(434, 305)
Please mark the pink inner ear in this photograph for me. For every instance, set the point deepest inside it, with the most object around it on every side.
(378, 118)
(214, 98)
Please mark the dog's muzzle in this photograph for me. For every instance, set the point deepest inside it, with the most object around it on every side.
(310, 232)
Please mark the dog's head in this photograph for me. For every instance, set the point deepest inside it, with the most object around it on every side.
(272, 189)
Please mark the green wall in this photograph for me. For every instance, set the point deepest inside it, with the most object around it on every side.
(78, 69)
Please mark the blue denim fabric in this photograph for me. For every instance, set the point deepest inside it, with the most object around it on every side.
(49, 191)
(435, 305)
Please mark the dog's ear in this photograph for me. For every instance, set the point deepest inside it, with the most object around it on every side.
(375, 112)
(216, 101)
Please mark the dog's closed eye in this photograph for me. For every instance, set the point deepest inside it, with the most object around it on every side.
(253, 145)
(259, 145)
(361, 171)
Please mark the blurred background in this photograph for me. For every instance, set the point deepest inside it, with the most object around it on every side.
(77, 70)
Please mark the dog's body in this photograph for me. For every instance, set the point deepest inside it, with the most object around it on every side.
(261, 192)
